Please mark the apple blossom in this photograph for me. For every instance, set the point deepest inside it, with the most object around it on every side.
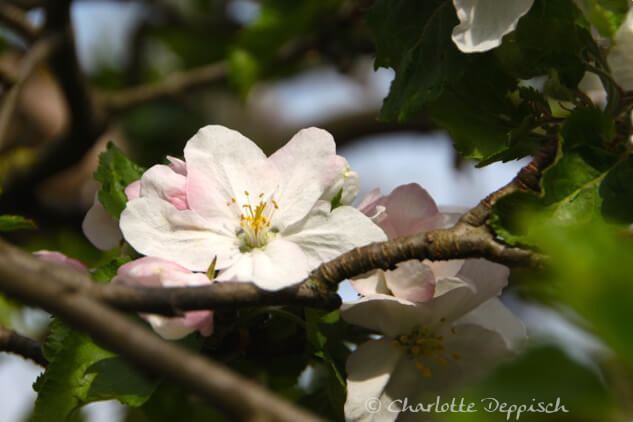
(483, 23)
(60, 258)
(156, 272)
(262, 217)
(441, 318)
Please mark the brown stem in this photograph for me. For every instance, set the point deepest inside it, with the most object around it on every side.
(12, 342)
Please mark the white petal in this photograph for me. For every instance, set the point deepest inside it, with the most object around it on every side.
(495, 316)
(278, 265)
(489, 278)
(444, 269)
(388, 315)
(412, 280)
(169, 328)
(369, 369)
(100, 228)
(308, 165)
(324, 235)
(483, 23)
(620, 58)
(223, 164)
(154, 227)
(479, 350)
(372, 284)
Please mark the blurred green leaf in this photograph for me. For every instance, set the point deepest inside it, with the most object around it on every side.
(543, 374)
(616, 191)
(587, 126)
(115, 172)
(605, 15)
(9, 223)
(244, 70)
(106, 272)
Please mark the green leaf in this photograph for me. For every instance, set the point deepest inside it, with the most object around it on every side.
(616, 191)
(547, 38)
(80, 372)
(426, 69)
(397, 25)
(569, 196)
(9, 223)
(64, 386)
(105, 273)
(605, 15)
(115, 172)
(587, 126)
(116, 379)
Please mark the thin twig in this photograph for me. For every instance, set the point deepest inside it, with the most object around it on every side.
(33, 58)
(239, 398)
(15, 19)
(12, 342)
(172, 86)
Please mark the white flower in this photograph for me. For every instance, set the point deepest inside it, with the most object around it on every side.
(483, 23)
(262, 217)
(620, 58)
(430, 347)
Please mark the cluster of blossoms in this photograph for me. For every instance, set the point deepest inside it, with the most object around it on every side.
(271, 220)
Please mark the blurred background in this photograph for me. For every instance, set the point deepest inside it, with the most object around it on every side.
(279, 66)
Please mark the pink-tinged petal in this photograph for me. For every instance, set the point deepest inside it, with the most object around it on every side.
(308, 165)
(367, 205)
(407, 207)
(372, 284)
(60, 258)
(100, 228)
(412, 280)
(369, 370)
(324, 235)
(489, 278)
(278, 265)
(155, 227)
(133, 190)
(223, 164)
(162, 182)
(177, 165)
(483, 23)
(495, 316)
(157, 272)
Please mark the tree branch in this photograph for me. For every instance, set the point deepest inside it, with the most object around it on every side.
(469, 238)
(33, 58)
(166, 301)
(12, 342)
(239, 398)
(172, 86)
(15, 19)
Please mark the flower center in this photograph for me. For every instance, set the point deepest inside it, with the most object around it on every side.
(255, 220)
(421, 346)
